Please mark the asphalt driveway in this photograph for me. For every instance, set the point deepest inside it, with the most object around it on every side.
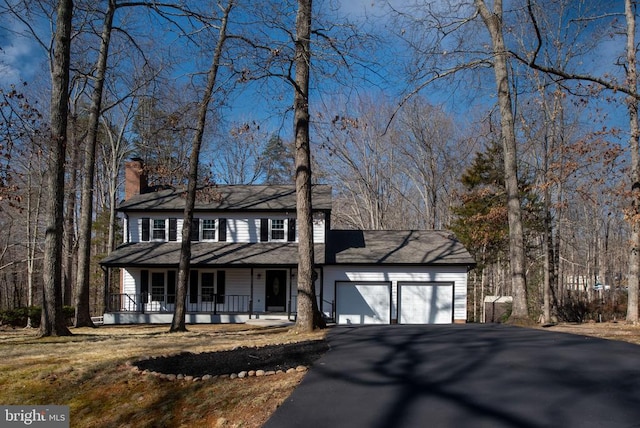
(466, 376)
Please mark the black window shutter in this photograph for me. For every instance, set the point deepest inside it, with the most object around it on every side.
(144, 284)
(221, 287)
(173, 229)
(145, 229)
(222, 230)
(193, 287)
(195, 229)
(264, 229)
(291, 233)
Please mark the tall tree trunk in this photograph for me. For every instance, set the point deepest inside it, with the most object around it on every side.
(547, 246)
(53, 322)
(309, 316)
(178, 321)
(634, 134)
(33, 213)
(70, 237)
(493, 22)
(83, 313)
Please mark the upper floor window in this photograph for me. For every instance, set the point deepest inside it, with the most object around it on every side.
(208, 229)
(153, 229)
(159, 230)
(278, 229)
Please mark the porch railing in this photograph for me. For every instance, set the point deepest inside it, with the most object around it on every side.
(332, 312)
(151, 303)
(293, 308)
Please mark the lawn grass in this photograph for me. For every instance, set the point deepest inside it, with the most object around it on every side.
(89, 372)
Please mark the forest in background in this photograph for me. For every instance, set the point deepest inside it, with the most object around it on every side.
(404, 119)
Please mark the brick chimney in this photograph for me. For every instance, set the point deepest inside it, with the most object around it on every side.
(135, 179)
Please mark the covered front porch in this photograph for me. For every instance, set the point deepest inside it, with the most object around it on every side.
(228, 283)
(148, 295)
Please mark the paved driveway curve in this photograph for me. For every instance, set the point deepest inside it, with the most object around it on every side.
(466, 376)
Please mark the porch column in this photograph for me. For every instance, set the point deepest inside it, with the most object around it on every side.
(105, 294)
(251, 295)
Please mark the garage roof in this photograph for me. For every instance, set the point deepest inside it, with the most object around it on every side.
(432, 247)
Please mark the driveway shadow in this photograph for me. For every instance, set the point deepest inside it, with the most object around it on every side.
(466, 376)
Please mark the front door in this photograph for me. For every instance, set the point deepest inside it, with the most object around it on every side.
(276, 291)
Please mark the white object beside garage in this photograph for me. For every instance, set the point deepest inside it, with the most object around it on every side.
(363, 303)
(425, 303)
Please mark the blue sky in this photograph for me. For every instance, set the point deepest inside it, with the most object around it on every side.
(21, 58)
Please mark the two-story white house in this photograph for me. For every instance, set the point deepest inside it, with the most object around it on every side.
(245, 253)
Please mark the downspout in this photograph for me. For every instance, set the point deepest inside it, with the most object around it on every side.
(128, 234)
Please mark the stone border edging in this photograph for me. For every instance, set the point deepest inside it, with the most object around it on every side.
(186, 378)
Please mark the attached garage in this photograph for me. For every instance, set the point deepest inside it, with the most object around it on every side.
(389, 277)
(363, 302)
(425, 303)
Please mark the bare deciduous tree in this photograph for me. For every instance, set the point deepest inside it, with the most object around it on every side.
(634, 136)
(178, 321)
(493, 20)
(309, 316)
(53, 322)
(83, 314)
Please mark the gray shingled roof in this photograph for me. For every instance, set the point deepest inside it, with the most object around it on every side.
(207, 254)
(229, 198)
(409, 247)
(347, 247)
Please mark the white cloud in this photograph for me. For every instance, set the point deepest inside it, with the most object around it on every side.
(19, 57)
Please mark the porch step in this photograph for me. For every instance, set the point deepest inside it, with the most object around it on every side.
(270, 322)
(98, 320)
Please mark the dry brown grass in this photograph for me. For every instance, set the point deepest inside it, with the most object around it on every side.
(607, 330)
(88, 371)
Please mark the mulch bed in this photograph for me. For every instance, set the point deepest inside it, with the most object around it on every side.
(267, 358)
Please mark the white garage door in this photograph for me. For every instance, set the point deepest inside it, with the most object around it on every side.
(425, 303)
(363, 303)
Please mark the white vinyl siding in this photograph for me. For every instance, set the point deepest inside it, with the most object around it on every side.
(241, 227)
(319, 228)
(130, 281)
(456, 275)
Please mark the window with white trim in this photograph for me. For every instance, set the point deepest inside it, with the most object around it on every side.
(208, 229)
(158, 232)
(277, 230)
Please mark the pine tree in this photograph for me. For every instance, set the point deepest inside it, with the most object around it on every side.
(481, 218)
